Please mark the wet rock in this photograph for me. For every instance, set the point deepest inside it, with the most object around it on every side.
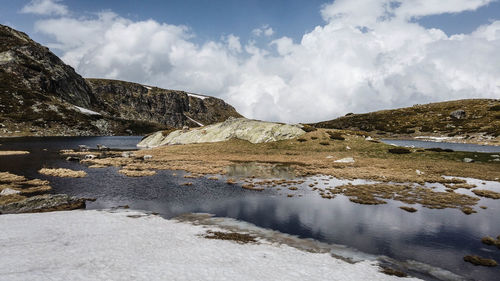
(43, 203)
(458, 114)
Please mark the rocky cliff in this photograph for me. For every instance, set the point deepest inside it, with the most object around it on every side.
(40, 95)
(168, 107)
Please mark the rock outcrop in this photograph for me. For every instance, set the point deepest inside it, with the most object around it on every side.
(168, 107)
(42, 96)
(43, 203)
(253, 131)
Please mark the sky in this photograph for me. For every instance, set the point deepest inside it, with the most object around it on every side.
(281, 60)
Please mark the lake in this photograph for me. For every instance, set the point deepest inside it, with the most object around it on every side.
(445, 145)
(439, 238)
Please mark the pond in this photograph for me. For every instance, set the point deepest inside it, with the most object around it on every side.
(426, 241)
(444, 145)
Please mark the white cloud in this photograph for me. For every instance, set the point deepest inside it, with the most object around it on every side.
(45, 7)
(265, 30)
(369, 55)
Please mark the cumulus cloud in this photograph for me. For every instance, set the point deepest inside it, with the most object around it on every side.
(368, 55)
(45, 7)
(265, 30)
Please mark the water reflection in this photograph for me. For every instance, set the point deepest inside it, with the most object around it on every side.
(444, 145)
(437, 237)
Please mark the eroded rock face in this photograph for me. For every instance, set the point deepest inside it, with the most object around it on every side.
(43, 203)
(168, 107)
(31, 67)
(42, 96)
(253, 131)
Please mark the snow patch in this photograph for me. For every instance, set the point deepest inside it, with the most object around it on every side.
(201, 125)
(147, 87)
(128, 245)
(9, 191)
(86, 111)
(197, 96)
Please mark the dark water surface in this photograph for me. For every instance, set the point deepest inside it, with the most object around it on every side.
(445, 145)
(436, 237)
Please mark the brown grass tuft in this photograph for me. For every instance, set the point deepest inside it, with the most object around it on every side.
(63, 173)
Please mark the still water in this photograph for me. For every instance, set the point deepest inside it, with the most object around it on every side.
(445, 145)
(435, 237)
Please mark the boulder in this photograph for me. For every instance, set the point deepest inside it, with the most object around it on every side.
(43, 203)
(458, 114)
(253, 131)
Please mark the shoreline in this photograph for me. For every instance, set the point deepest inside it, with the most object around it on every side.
(180, 249)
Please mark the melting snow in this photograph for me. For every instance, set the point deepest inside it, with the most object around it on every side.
(86, 111)
(127, 245)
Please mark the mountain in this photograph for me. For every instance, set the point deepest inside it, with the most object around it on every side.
(40, 95)
(473, 117)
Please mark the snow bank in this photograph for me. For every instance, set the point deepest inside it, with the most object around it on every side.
(86, 111)
(127, 245)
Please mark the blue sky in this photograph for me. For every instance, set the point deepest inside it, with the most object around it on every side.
(280, 60)
(210, 19)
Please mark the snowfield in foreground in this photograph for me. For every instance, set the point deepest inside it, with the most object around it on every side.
(128, 245)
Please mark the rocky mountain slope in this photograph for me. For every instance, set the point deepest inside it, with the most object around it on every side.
(40, 96)
(467, 119)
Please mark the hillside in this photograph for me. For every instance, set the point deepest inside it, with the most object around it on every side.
(42, 96)
(474, 118)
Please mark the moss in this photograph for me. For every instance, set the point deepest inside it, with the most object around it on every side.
(477, 260)
(292, 188)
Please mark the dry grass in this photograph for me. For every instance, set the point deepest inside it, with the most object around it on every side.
(373, 161)
(137, 173)
(6, 199)
(63, 173)
(241, 238)
(5, 153)
(374, 194)
(10, 178)
(477, 260)
(486, 193)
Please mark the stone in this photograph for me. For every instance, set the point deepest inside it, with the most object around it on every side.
(43, 203)
(9, 191)
(345, 160)
(458, 114)
(253, 131)
(468, 160)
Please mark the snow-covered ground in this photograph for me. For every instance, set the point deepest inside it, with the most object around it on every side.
(129, 245)
(86, 111)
